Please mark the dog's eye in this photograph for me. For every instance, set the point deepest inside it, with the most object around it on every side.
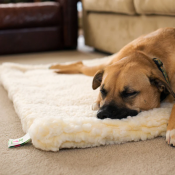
(126, 94)
(103, 92)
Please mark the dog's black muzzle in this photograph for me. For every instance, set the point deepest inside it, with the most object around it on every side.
(113, 112)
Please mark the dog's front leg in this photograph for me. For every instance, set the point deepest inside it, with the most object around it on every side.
(170, 134)
(96, 104)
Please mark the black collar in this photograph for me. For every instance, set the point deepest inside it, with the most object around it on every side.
(162, 69)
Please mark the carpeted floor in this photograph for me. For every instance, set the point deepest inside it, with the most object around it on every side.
(152, 157)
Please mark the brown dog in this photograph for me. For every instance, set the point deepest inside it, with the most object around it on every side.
(134, 79)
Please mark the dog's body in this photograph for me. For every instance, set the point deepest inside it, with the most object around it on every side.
(130, 81)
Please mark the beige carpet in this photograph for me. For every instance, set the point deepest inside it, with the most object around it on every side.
(152, 157)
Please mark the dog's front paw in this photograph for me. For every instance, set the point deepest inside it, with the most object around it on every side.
(95, 106)
(170, 137)
(54, 66)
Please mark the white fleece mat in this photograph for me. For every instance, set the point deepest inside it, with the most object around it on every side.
(56, 110)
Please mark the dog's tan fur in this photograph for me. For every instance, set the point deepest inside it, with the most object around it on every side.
(133, 67)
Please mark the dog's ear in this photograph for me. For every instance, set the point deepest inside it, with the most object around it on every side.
(161, 84)
(97, 79)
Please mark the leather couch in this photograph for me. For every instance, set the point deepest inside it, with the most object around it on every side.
(111, 24)
(38, 26)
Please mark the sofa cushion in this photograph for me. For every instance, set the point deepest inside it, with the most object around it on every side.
(21, 15)
(163, 7)
(117, 6)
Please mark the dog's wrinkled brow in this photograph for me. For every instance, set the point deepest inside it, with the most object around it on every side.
(127, 89)
(102, 87)
(103, 91)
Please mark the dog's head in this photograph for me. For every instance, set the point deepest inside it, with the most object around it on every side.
(128, 87)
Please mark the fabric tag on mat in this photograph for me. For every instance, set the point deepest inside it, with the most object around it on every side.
(19, 142)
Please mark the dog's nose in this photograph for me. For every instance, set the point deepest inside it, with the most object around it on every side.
(114, 112)
(102, 114)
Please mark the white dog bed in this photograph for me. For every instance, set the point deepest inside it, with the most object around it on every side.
(56, 110)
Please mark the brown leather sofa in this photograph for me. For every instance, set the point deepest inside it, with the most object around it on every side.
(40, 26)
